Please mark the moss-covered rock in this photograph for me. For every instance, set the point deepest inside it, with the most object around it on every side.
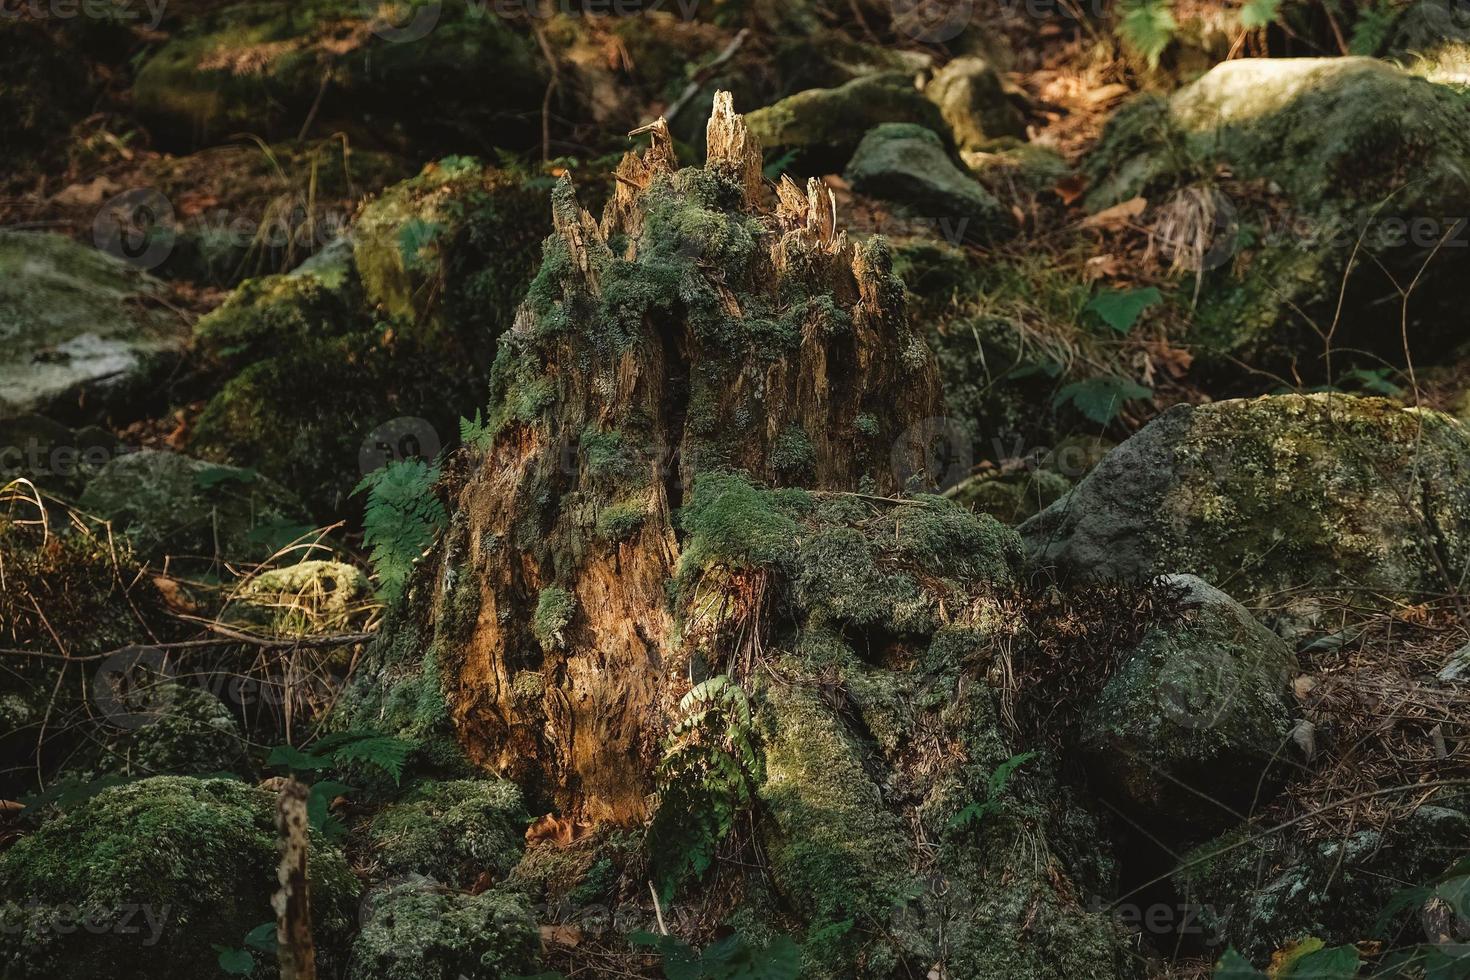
(457, 244)
(316, 596)
(1014, 496)
(53, 456)
(77, 322)
(399, 327)
(451, 831)
(416, 931)
(1195, 724)
(157, 871)
(1432, 38)
(824, 126)
(170, 504)
(265, 67)
(1261, 891)
(1342, 169)
(183, 730)
(908, 164)
(1281, 497)
(836, 851)
(976, 102)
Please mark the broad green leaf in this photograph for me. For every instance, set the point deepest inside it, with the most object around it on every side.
(1256, 14)
(290, 757)
(1101, 399)
(262, 937)
(1120, 309)
(235, 962)
(1335, 963)
(1233, 966)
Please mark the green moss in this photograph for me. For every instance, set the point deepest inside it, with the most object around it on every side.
(413, 931)
(451, 831)
(194, 85)
(826, 124)
(1275, 495)
(200, 854)
(186, 731)
(836, 853)
(621, 520)
(555, 607)
(169, 504)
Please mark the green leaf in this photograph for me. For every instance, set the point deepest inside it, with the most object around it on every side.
(319, 801)
(1256, 14)
(1120, 309)
(384, 751)
(1335, 963)
(262, 937)
(401, 519)
(1101, 399)
(1233, 966)
(292, 758)
(1147, 27)
(235, 962)
(1456, 892)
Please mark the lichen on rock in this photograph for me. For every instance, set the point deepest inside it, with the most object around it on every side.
(1282, 498)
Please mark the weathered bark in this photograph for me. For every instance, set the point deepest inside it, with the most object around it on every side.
(696, 327)
(295, 951)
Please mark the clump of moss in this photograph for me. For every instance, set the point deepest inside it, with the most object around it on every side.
(621, 520)
(199, 854)
(555, 607)
(185, 731)
(414, 930)
(451, 831)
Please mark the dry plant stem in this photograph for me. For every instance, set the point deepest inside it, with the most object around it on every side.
(292, 901)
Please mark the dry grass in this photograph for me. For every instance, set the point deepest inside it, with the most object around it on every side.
(1381, 719)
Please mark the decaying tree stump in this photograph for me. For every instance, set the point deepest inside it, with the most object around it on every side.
(705, 323)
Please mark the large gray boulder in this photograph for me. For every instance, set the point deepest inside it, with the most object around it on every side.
(908, 165)
(1279, 499)
(1322, 187)
(76, 323)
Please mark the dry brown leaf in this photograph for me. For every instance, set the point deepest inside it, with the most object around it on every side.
(1106, 93)
(559, 935)
(1105, 266)
(1117, 216)
(1070, 188)
(555, 830)
(89, 194)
